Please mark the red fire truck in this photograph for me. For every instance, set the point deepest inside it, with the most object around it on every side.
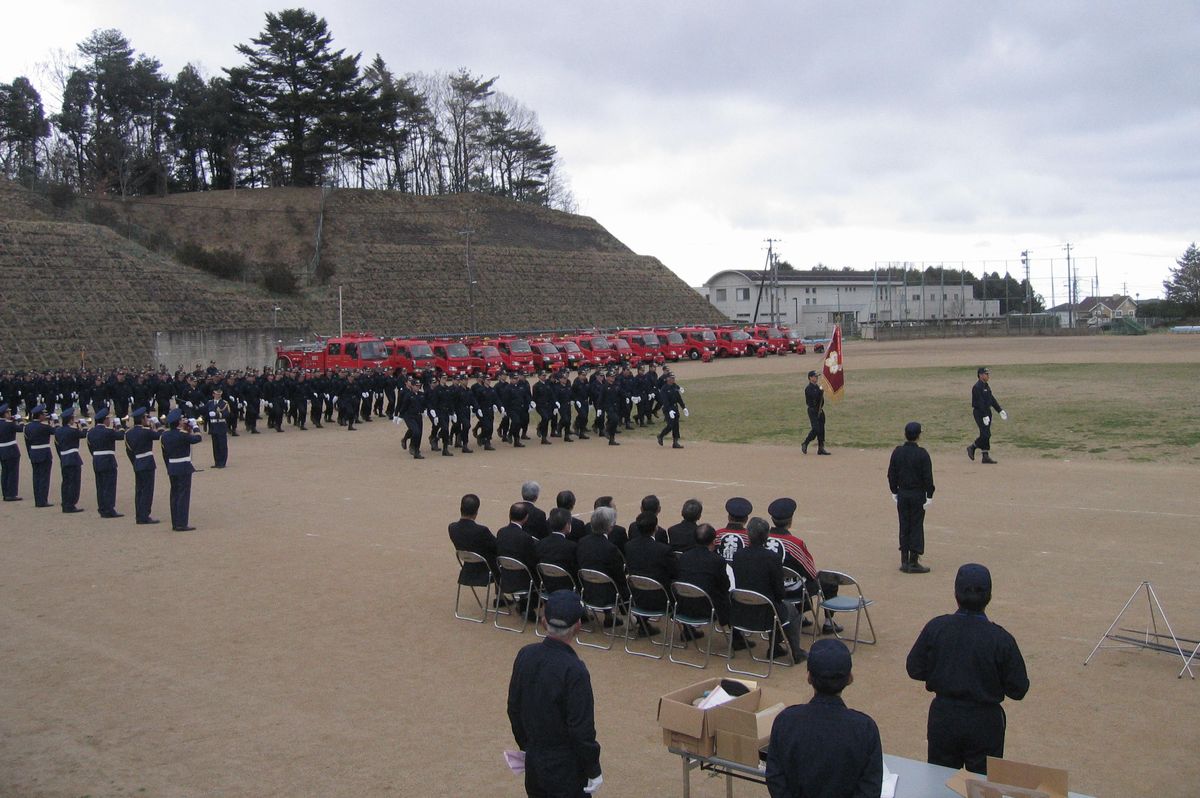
(731, 342)
(490, 356)
(597, 348)
(341, 352)
(516, 353)
(795, 340)
(572, 355)
(454, 358)
(701, 342)
(546, 354)
(673, 345)
(773, 339)
(645, 346)
(410, 355)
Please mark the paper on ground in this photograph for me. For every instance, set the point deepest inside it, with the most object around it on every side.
(515, 761)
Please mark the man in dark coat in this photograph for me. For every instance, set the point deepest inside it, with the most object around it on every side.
(910, 478)
(466, 535)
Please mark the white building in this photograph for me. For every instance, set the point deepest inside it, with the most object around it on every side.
(813, 301)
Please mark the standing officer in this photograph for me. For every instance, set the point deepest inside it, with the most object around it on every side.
(982, 405)
(543, 398)
(10, 454)
(464, 408)
(613, 402)
(412, 405)
(218, 423)
(139, 446)
(581, 396)
(910, 478)
(251, 400)
(523, 403)
(552, 710)
(970, 664)
(486, 402)
(66, 441)
(823, 747)
(102, 442)
(814, 398)
(37, 446)
(671, 399)
(562, 403)
(177, 452)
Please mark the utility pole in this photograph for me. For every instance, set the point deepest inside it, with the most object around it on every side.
(770, 271)
(1070, 286)
(470, 277)
(1028, 289)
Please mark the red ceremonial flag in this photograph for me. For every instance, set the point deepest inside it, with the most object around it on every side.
(833, 374)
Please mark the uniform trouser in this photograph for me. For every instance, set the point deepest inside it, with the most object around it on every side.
(71, 477)
(275, 415)
(181, 499)
(220, 443)
(106, 491)
(543, 427)
(486, 425)
(564, 420)
(234, 413)
(504, 425)
(542, 785)
(984, 442)
(581, 420)
(41, 483)
(961, 733)
(816, 420)
(910, 507)
(300, 409)
(598, 421)
(790, 618)
(414, 432)
(462, 428)
(672, 425)
(364, 407)
(164, 407)
(143, 493)
(251, 420)
(10, 469)
(610, 424)
(522, 423)
(315, 415)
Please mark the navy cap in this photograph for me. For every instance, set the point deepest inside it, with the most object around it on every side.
(174, 416)
(563, 609)
(782, 509)
(37, 409)
(973, 578)
(4, 407)
(829, 658)
(982, 370)
(101, 414)
(912, 429)
(138, 412)
(812, 373)
(67, 413)
(739, 507)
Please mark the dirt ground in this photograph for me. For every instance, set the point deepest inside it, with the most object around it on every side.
(302, 641)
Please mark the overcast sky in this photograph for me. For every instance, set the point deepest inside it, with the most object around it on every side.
(853, 133)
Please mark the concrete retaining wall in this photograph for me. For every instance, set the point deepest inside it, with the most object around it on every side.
(231, 349)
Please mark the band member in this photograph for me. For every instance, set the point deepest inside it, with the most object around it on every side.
(102, 442)
(139, 446)
(177, 452)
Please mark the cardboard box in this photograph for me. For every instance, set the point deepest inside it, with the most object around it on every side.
(1051, 781)
(745, 727)
(687, 728)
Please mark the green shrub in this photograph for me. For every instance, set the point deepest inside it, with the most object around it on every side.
(279, 279)
(223, 263)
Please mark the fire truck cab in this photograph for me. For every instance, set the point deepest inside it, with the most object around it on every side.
(517, 355)
(454, 358)
(731, 342)
(701, 342)
(546, 354)
(673, 345)
(410, 355)
(644, 346)
(773, 339)
(490, 356)
(572, 355)
(597, 348)
(342, 352)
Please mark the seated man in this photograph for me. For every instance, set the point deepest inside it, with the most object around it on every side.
(759, 569)
(466, 535)
(646, 556)
(566, 500)
(703, 567)
(513, 541)
(651, 504)
(597, 553)
(795, 555)
(823, 747)
(732, 537)
(557, 549)
(618, 535)
(536, 525)
(682, 536)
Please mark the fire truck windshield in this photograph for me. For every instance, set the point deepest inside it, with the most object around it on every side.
(674, 338)
(794, 335)
(372, 350)
(457, 350)
(547, 349)
(739, 335)
(600, 343)
(568, 346)
(620, 344)
(519, 347)
(420, 351)
(489, 351)
(707, 335)
(650, 339)
(773, 333)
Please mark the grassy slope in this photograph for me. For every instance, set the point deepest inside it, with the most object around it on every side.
(1115, 411)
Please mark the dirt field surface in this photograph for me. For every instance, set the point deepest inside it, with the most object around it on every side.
(302, 640)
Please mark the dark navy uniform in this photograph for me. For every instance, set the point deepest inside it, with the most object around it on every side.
(10, 457)
(139, 446)
(543, 398)
(102, 442)
(37, 446)
(910, 478)
(70, 464)
(551, 709)
(412, 406)
(581, 397)
(824, 749)
(177, 452)
(486, 401)
(982, 405)
(814, 400)
(971, 664)
(614, 403)
(218, 413)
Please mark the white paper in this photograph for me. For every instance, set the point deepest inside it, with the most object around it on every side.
(515, 761)
(715, 698)
(889, 783)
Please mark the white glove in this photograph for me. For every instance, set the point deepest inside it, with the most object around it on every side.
(1004, 415)
(671, 413)
(433, 415)
(454, 418)
(396, 420)
(928, 502)
(326, 397)
(593, 785)
(54, 416)
(478, 413)
(895, 498)
(212, 414)
(503, 412)
(364, 394)
(497, 409)
(685, 412)
(578, 406)
(316, 396)
(637, 398)
(987, 421)
(557, 406)
(532, 405)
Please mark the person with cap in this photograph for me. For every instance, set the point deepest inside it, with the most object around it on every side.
(551, 708)
(670, 398)
(218, 413)
(910, 479)
(486, 401)
(177, 452)
(543, 399)
(139, 447)
(824, 749)
(759, 569)
(102, 443)
(562, 401)
(731, 538)
(581, 398)
(412, 401)
(814, 399)
(10, 454)
(70, 465)
(983, 402)
(37, 446)
(970, 665)
(613, 401)
(522, 397)
(793, 553)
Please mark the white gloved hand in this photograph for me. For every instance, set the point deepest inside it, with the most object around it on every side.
(326, 397)
(497, 409)
(365, 394)
(478, 413)
(557, 406)
(212, 414)
(503, 413)
(578, 406)
(396, 420)
(685, 412)
(532, 405)
(987, 421)
(433, 415)
(593, 785)
(682, 389)
(1004, 415)
(671, 413)
(54, 416)
(454, 418)
(637, 398)
(928, 503)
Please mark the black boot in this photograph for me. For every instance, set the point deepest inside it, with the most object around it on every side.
(971, 451)
(676, 445)
(904, 566)
(446, 450)
(987, 459)
(914, 565)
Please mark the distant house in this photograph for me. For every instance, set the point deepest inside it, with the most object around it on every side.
(813, 301)
(1095, 311)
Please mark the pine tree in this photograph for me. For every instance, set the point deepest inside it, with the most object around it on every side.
(1183, 289)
